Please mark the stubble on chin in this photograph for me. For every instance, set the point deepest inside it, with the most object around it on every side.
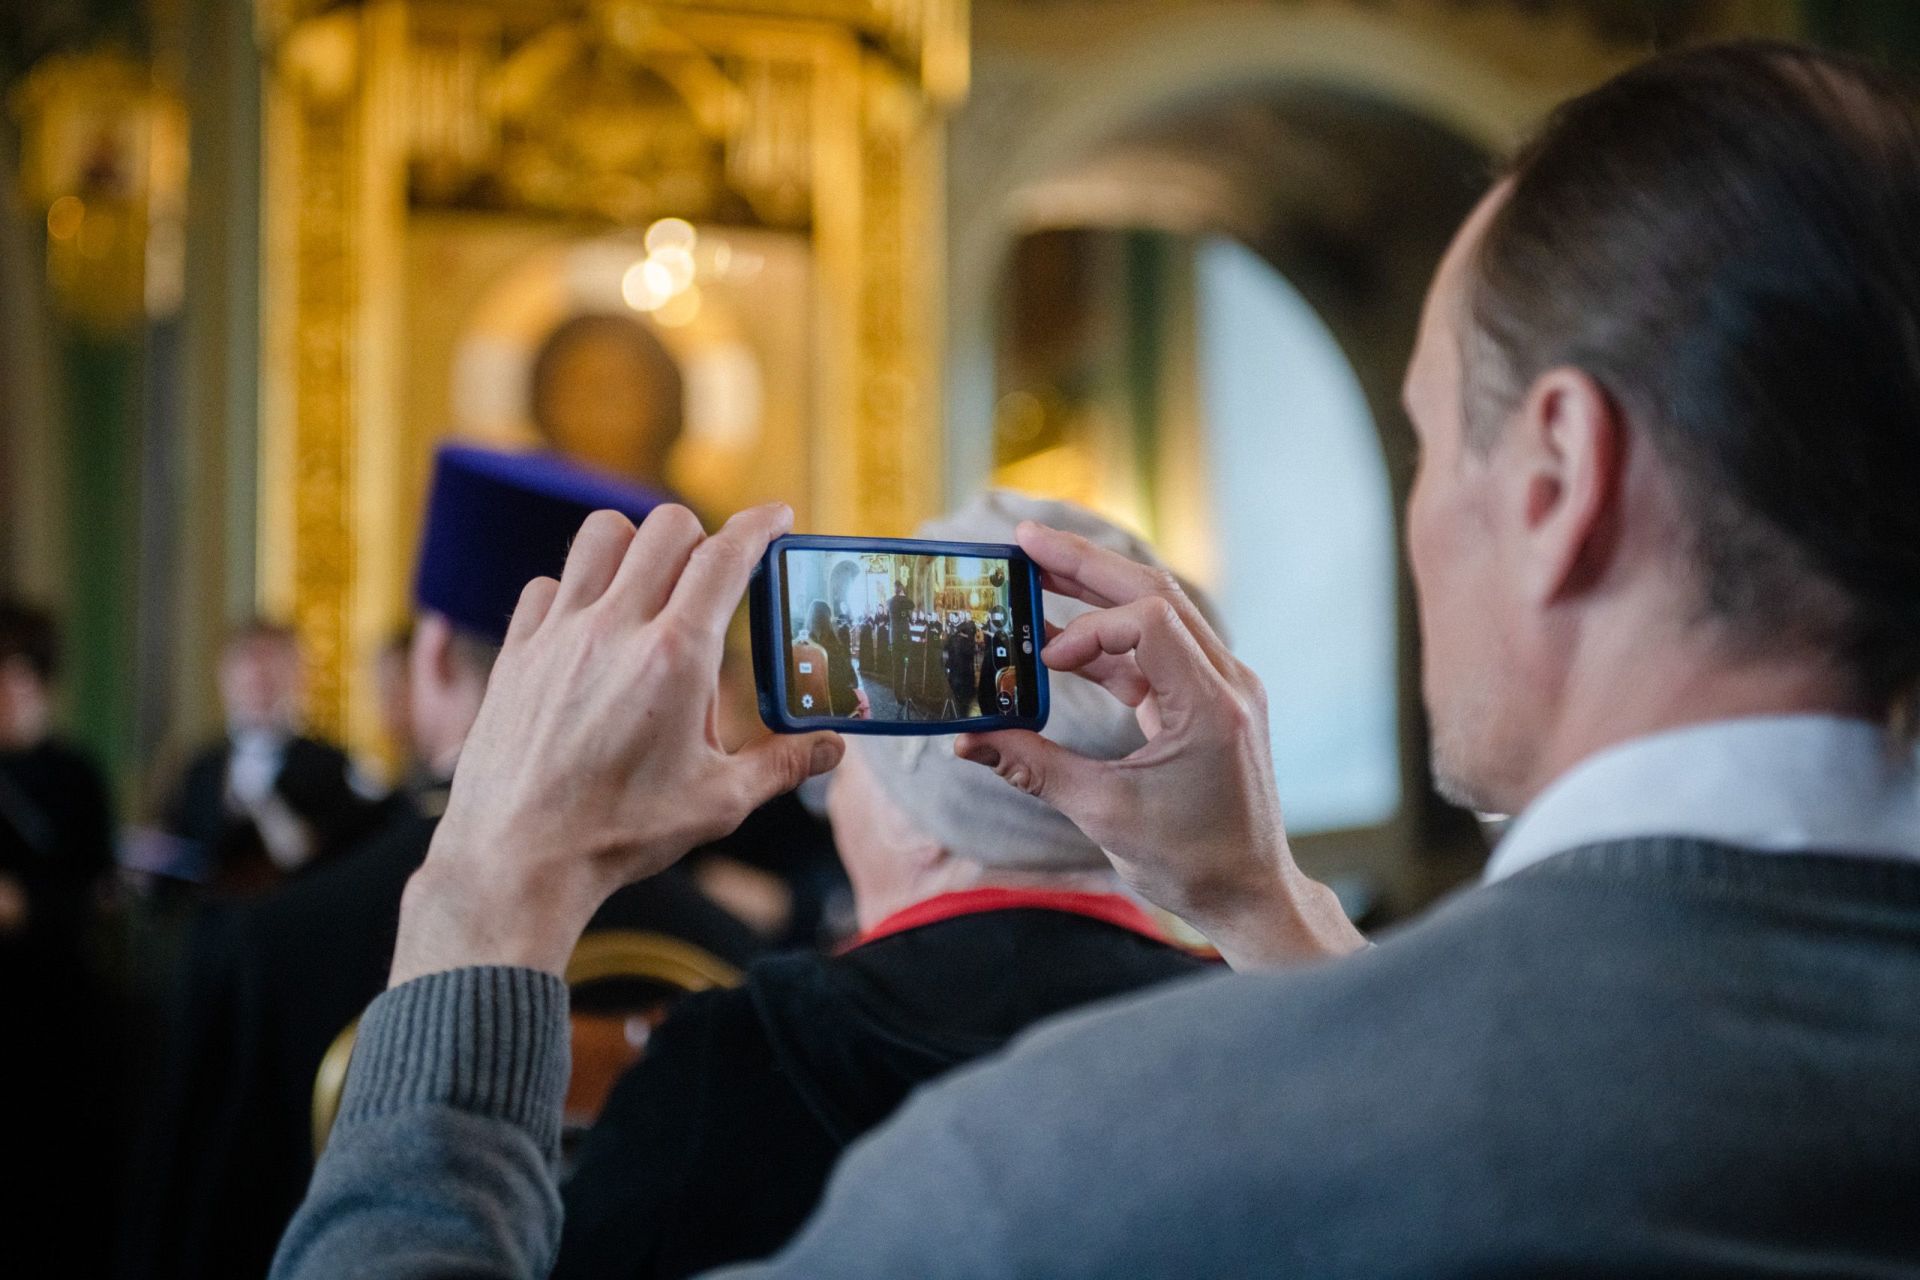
(1462, 754)
(1454, 786)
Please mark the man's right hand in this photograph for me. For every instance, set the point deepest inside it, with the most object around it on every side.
(1192, 819)
(597, 758)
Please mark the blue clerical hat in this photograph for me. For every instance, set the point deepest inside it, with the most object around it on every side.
(496, 521)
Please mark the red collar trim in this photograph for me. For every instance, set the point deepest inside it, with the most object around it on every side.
(1111, 908)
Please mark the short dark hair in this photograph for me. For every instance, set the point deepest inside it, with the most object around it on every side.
(1727, 239)
(29, 634)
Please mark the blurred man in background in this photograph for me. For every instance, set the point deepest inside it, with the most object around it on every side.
(267, 800)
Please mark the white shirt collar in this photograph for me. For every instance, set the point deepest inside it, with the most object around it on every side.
(1773, 783)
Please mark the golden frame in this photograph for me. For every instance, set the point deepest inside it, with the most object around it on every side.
(342, 82)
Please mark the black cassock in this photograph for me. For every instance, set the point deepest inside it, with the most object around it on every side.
(268, 984)
(910, 652)
(900, 626)
(960, 655)
(931, 687)
(716, 1146)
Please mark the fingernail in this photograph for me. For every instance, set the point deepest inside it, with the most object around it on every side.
(986, 756)
(1018, 776)
(825, 756)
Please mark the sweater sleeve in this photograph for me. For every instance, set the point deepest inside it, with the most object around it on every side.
(442, 1162)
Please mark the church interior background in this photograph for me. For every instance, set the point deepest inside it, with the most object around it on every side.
(1163, 257)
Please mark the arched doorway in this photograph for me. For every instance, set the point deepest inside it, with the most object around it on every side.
(1150, 239)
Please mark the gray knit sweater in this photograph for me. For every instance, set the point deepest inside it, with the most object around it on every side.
(1650, 1058)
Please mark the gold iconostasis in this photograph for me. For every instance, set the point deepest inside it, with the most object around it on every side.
(692, 242)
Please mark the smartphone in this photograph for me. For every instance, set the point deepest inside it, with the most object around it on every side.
(888, 635)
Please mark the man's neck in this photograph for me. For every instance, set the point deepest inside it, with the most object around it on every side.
(1653, 697)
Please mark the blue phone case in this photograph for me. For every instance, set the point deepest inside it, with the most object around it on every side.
(767, 620)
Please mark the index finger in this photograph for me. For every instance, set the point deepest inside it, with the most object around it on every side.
(717, 571)
(1106, 579)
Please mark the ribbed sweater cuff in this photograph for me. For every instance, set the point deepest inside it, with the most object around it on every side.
(492, 1041)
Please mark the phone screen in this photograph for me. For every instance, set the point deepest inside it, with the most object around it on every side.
(895, 636)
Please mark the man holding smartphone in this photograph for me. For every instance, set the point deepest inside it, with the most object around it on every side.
(1664, 536)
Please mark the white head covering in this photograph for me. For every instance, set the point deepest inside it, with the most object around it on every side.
(972, 813)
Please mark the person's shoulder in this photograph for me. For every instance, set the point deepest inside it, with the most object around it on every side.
(709, 1041)
(1279, 1016)
(815, 991)
(721, 1020)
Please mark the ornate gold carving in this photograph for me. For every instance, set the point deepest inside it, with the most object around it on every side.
(332, 218)
(888, 495)
(626, 112)
(308, 556)
(751, 112)
(928, 38)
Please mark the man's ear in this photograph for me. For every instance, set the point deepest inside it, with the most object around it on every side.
(1572, 446)
(430, 662)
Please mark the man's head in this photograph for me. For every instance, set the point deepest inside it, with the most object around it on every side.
(29, 657)
(1667, 392)
(261, 675)
(447, 671)
(495, 521)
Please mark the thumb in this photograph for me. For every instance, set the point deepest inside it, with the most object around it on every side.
(1068, 781)
(775, 763)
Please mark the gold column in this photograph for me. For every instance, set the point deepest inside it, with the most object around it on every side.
(334, 210)
(897, 424)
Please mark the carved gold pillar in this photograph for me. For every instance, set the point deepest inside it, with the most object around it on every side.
(334, 210)
(896, 424)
